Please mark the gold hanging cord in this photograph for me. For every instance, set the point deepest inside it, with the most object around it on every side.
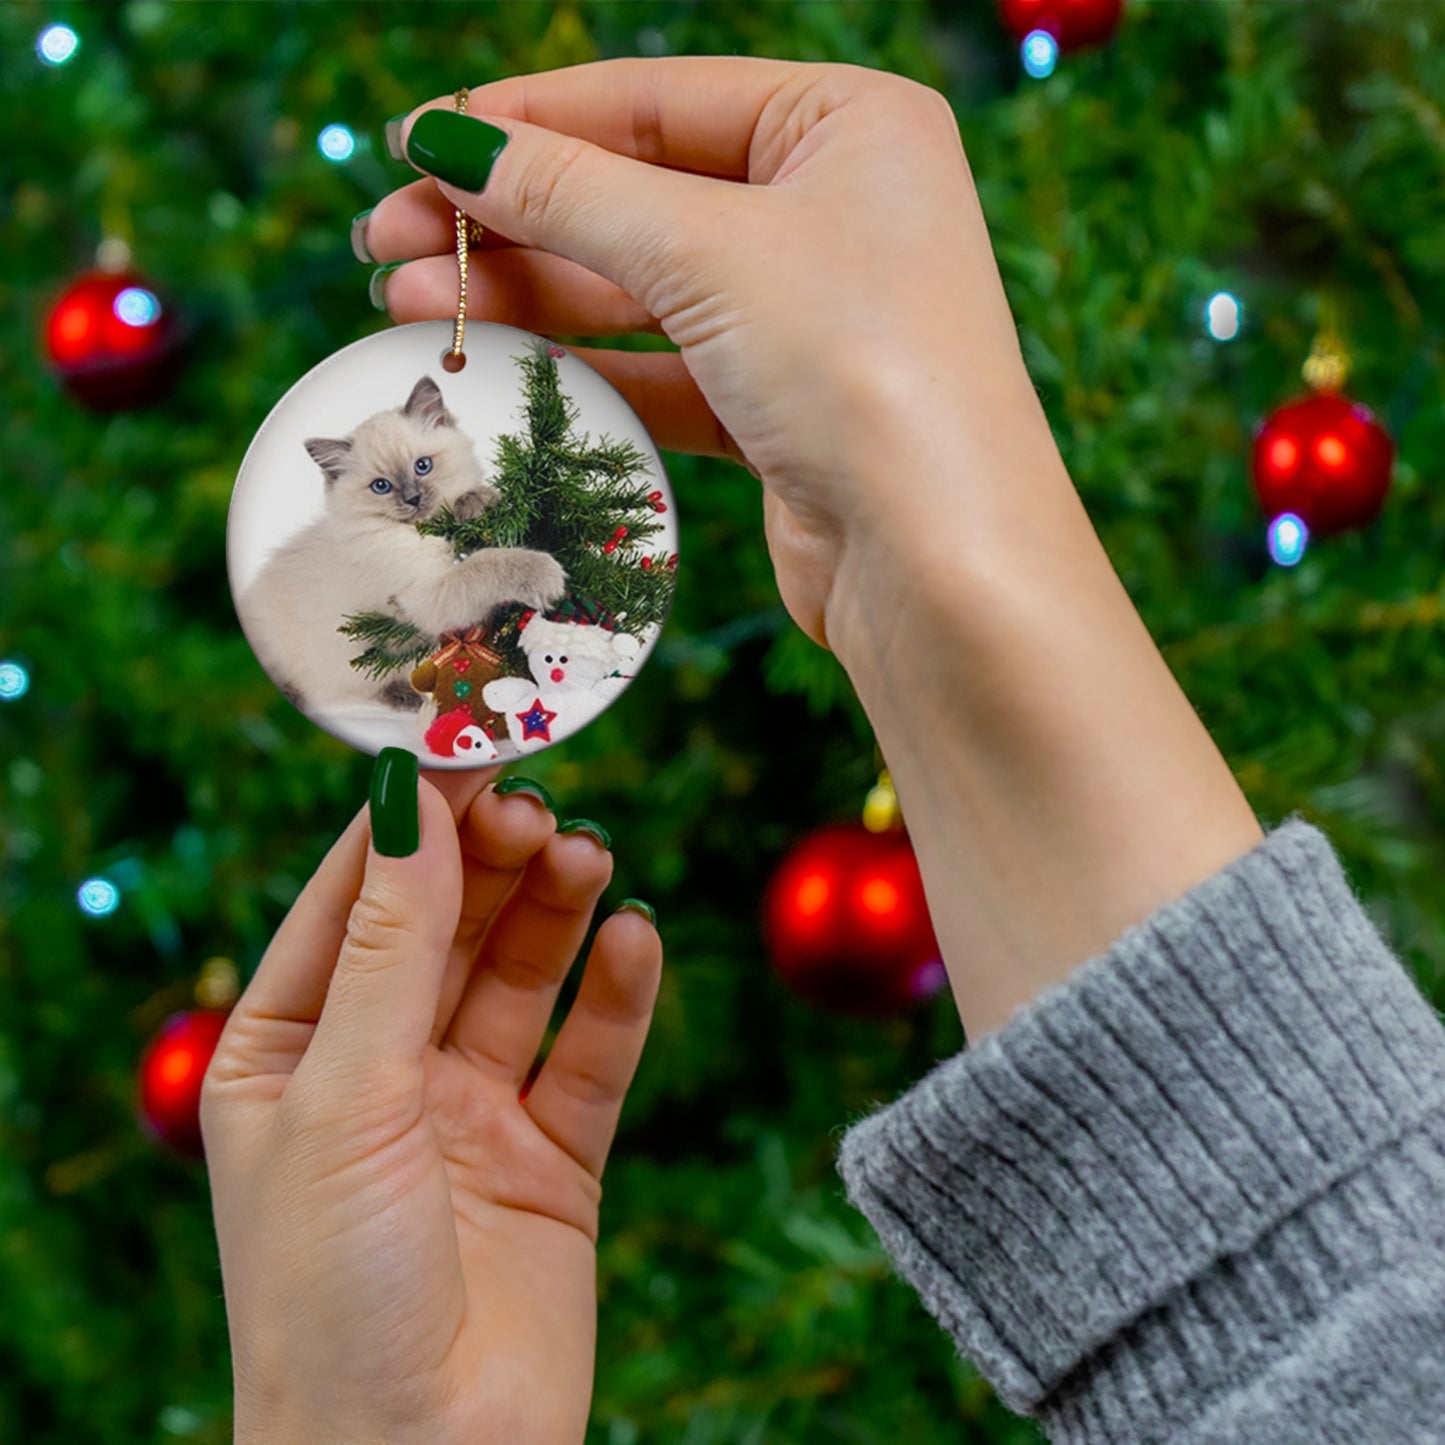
(469, 233)
(1328, 366)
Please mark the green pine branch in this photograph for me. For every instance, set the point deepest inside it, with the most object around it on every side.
(391, 643)
(560, 493)
(567, 495)
(465, 537)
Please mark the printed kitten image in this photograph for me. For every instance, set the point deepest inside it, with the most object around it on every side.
(364, 555)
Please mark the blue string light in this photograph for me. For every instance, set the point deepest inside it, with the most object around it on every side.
(1288, 538)
(57, 44)
(98, 897)
(14, 681)
(336, 143)
(1040, 52)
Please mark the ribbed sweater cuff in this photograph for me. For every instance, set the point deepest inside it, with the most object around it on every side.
(1144, 1164)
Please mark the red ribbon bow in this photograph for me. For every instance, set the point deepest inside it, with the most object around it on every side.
(470, 640)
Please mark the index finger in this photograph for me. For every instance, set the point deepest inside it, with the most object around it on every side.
(460, 786)
(696, 113)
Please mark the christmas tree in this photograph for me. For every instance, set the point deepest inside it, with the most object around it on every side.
(1270, 152)
(588, 504)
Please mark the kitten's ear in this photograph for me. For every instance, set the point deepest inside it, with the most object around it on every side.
(330, 454)
(425, 405)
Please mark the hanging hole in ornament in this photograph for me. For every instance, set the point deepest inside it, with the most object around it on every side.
(453, 360)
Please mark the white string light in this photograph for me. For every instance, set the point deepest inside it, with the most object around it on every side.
(1288, 538)
(98, 897)
(336, 143)
(57, 44)
(1223, 316)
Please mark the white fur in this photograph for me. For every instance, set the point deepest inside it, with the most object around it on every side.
(365, 555)
(327, 573)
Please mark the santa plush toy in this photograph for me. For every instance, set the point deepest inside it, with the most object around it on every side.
(455, 734)
(579, 663)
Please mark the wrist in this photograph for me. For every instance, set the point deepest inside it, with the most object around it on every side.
(946, 516)
(1057, 784)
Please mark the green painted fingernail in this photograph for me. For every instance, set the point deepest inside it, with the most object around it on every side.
(377, 288)
(393, 136)
(455, 148)
(359, 248)
(636, 905)
(515, 784)
(395, 812)
(586, 825)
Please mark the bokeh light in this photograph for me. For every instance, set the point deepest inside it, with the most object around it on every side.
(336, 143)
(137, 307)
(1288, 538)
(57, 44)
(813, 894)
(1040, 53)
(14, 681)
(879, 897)
(1223, 316)
(98, 897)
(1283, 454)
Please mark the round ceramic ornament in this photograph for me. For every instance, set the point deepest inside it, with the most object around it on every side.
(468, 563)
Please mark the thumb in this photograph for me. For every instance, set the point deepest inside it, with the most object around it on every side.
(623, 219)
(382, 999)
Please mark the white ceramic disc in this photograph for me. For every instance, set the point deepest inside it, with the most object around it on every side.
(499, 544)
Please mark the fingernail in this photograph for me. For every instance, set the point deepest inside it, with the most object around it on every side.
(525, 785)
(455, 148)
(376, 289)
(636, 905)
(395, 813)
(359, 247)
(393, 137)
(586, 825)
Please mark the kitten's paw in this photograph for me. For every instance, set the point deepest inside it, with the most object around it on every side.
(399, 693)
(474, 503)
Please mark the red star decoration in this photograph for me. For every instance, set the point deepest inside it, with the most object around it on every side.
(537, 722)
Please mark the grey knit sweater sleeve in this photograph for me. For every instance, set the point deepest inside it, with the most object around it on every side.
(1196, 1192)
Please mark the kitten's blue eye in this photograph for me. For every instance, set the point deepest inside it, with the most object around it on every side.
(381, 486)
(423, 466)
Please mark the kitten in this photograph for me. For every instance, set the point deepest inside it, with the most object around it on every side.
(365, 555)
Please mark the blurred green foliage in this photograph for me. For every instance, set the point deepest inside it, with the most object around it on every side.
(1282, 152)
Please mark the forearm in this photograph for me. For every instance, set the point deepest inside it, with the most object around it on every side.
(1057, 784)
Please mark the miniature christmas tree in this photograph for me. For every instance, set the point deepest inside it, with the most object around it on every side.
(591, 505)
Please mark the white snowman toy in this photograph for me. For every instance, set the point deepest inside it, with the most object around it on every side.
(578, 667)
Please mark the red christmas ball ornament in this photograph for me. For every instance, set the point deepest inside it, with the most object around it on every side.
(1324, 458)
(171, 1071)
(1073, 23)
(112, 341)
(847, 924)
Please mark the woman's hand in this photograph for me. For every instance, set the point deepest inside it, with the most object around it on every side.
(408, 1247)
(810, 237)
(841, 304)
